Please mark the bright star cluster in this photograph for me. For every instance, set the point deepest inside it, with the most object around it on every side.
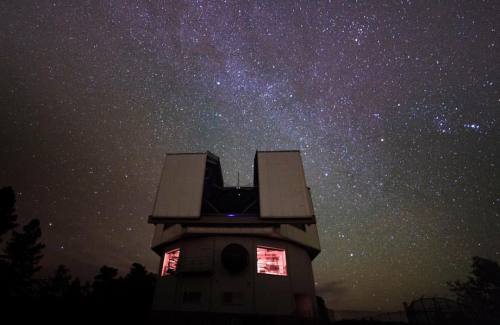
(395, 107)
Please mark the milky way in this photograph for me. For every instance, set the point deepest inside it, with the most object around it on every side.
(394, 106)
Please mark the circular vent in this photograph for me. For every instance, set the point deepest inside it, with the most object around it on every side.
(234, 258)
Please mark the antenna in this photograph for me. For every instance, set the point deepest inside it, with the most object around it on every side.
(238, 186)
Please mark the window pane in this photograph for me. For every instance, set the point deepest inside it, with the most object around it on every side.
(170, 262)
(271, 261)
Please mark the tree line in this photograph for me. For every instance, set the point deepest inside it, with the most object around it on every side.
(62, 298)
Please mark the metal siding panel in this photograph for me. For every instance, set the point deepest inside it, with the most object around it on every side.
(164, 295)
(282, 186)
(242, 282)
(181, 186)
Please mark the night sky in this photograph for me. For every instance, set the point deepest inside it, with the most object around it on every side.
(395, 107)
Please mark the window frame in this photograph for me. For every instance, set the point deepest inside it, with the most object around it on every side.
(284, 272)
(164, 271)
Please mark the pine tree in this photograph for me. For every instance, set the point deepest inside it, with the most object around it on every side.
(7, 223)
(75, 290)
(7, 210)
(139, 284)
(105, 283)
(481, 292)
(23, 253)
(59, 284)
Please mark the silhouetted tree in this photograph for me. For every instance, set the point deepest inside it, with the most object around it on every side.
(58, 285)
(105, 280)
(23, 253)
(106, 291)
(481, 291)
(139, 286)
(138, 273)
(58, 299)
(324, 318)
(7, 223)
(7, 210)
(75, 289)
(139, 280)
(122, 299)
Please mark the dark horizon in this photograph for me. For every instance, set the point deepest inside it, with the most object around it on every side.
(395, 108)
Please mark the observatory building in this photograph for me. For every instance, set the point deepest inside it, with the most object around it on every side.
(234, 253)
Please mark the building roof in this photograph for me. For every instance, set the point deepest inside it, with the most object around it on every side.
(191, 185)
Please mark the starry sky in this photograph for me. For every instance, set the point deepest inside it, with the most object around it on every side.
(395, 107)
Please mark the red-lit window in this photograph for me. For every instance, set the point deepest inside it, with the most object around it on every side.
(170, 262)
(271, 261)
